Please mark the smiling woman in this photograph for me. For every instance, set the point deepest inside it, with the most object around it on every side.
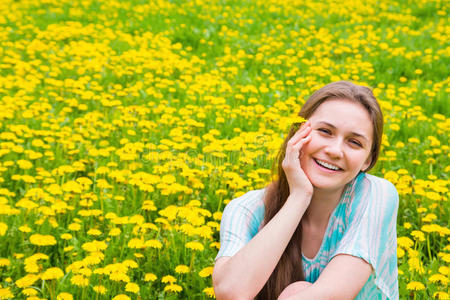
(336, 153)
(325, 229)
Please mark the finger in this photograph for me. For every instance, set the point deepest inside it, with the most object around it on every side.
(301, 134)
(301, 144)
(293, 152)
(290, 154)
(297, 149)
(304, 139)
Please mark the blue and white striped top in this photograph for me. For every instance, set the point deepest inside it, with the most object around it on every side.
(363, 224)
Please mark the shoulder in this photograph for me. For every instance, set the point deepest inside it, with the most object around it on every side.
(381, 187)
(373, 195)
(244, 214)
(250, 201)
(381, 196)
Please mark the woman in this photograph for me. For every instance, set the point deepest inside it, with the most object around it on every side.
(325, 229)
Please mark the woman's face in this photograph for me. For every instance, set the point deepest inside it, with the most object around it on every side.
(340, 146)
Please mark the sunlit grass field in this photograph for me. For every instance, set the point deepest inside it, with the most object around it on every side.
(127, 126)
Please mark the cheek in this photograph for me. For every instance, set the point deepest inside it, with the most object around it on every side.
(313, 144)
(361, 160)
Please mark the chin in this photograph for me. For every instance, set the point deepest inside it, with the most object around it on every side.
(328, 183)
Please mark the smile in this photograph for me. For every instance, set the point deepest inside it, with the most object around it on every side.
(327, 165)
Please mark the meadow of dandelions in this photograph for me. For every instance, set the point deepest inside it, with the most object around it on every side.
(127, 126)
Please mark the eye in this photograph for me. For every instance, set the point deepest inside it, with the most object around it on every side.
(324, 130)
(356, 142)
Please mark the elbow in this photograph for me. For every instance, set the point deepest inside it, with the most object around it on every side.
(227, 291)
(227, 294)
(229, 286)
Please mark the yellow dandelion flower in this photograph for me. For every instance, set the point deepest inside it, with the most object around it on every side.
(196, 246)
(415, 286)
(441, 295)
(168, 279)
(79, 280)
(99, 289)
(30, 292)
(439, 278)
(149, 205)
(175, 288)
(42, 240)
(25, 228)
(215, 245)
(94, 232)
(418, 235)
(24, 164)
(119, 276)
(52, 273)
(416, 265)
(444, 270)
(206, 272)
(445, 257)
(121, 297)
(404, 242)
(181, 269)
(31, 267)
(102, 271)
(115, 231)
(217, 216)
(132, 288)
(129, 263)
(153, 244)
(64, 296)
(93, 258)
(3, 228)
(209, 291)
(74, 226)
(150, 277)
(5, 293)
(27, 280)
(407, 225)
(72, 187)
(66, 236)
(68, 248)
(4, 262)
(421, 209)
(94, 246)
(85, 271)
(103, 184)
(136, 243)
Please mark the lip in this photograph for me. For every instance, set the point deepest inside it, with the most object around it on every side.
(325, 169)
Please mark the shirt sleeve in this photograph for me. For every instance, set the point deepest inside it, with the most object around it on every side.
(240, 222)
(372, 235)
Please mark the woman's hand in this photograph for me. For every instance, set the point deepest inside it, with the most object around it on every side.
(297, 179)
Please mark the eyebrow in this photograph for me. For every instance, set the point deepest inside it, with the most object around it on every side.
(353, 133)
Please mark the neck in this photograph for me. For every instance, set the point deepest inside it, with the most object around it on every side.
(322, 205)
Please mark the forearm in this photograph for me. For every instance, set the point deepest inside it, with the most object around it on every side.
(342, 279)
(311, 292)
(247, 271)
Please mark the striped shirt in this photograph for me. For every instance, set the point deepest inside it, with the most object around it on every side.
(363, 225)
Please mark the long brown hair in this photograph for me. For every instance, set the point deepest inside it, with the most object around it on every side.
(289, 268)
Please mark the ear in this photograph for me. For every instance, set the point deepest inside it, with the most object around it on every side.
(366, 163)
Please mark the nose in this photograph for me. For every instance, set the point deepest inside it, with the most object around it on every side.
(334, 149)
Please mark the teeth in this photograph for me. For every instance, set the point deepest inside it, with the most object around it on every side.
(326, 165)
